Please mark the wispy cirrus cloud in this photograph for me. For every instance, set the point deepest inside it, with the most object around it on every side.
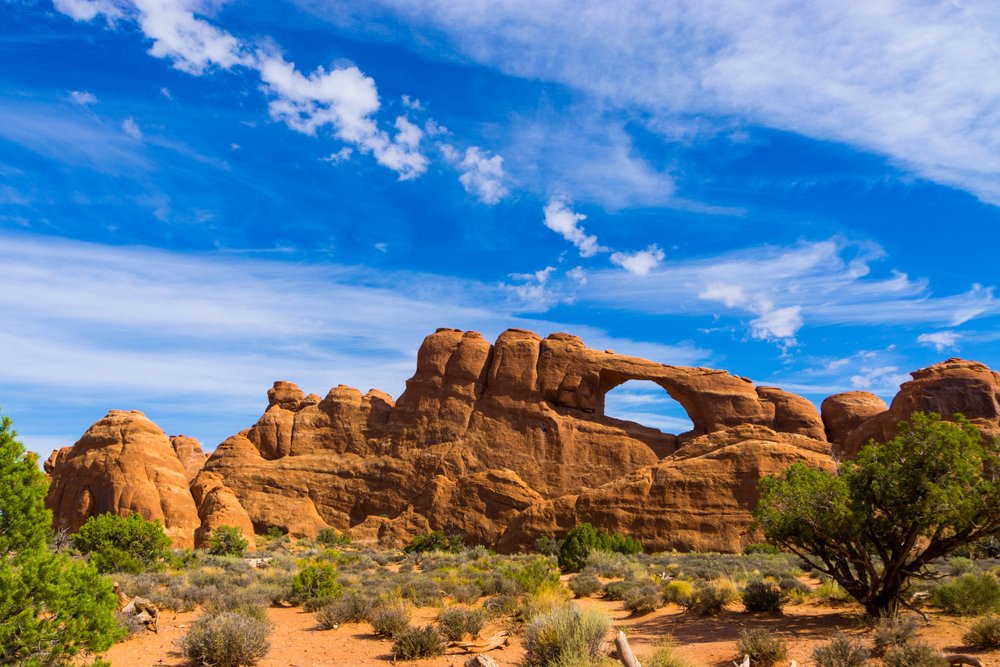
(912, 80)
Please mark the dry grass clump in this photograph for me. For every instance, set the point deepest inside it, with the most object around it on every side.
(914, 653)
(893, 631)
(984, 634)
(761, 596)
(352, 607)
(565, 633)
(711, 597)
(764, 647)
(644, 598)
(841, 651)
(389, 618)
(666, 656)
(227, 640)
(678, 592)
(584, 584)
(457, 622)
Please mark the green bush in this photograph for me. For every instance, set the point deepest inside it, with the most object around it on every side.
(914, 653)
(762, 596)
(227, 541)
(583, 539)
(456, 622)
(617, 590)
(51, 607)
(316, 579)
(435, 541)
(968, 595)
(352, 607)
(959, 565)
(532, 575)
(764, 647)
(388, 619)
(984, 634)
(840, 652)
(761, 548)
(413, 643)
(227, 640)
(329, 537)
(711, 597)
(563, 633)
(123, 544)
(679, 592)
(893, 631)
(584, 585)
(547, 546)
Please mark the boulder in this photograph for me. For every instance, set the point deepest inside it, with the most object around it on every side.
(218, 506)
(123, 464)
(190, 453)
(844, 412)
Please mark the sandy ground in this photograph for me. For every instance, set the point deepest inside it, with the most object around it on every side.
(705, 641)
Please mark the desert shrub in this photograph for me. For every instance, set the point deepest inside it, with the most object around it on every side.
(831, 592)
(583, 539)
(456, 622)
(504, 604)
(840, 651)
(968, 595)
(227, 541)
(894, 631)
(422, 591)
(914, 653)
(678, 592)
(563, 632)
(532, 575)
(317, 579)
(584, 585)
(246, 600)
(434, 541)
(666, 656)
(607, 564)
(760, 548)
(123, 544)
(616, 590)
(762, 596)
(352, 607)
(792, 585)
(764, 647)
(711, 597)
(984, 634)
(388, 619)
(413, 643)
(644, 598)
(956, 566)
(227, 640)
(130, 623)
(547, 546)
(465, 592)
(329, 537)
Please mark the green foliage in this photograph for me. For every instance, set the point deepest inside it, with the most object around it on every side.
(643, 599)
(762, 596)
(666, 656)
(711, 597)
(764, 647)
(547, 546)
(889, 513)
(968, 595)
(316, 579)
(583, 539)
(916, 653)
(565, 632)
(435, 540)
(227, 541)
(762, 548)
(841, 652)
(51, 608)
(533, 575)
(227, 640)
(275, 532)
(329, 537)
(679, 592)
(984, 634)
(123, 544)
(413, 643)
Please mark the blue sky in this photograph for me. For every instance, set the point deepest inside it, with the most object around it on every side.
(199, 197)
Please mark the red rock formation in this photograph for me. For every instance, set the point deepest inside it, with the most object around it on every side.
(954, 386)
(844, 412)
(123, 464)
(190, 454)
(218, 506)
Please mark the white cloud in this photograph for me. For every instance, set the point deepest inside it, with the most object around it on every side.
(777, 324)
(578, 275)
(728, 294)
(131, 129)
(639, 263)
(191, 43)
(412, 103)
(482, 175)
(940, 340)
(85, 10)
(564, 221)
(342, 155)
(901, 78)
(881, 379)
(82, 97)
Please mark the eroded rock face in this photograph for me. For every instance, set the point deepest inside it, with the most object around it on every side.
(123, 464)
(218, 506)
(954, 386)
(844, 412)
(190, 454)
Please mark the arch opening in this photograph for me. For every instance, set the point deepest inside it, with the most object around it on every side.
(648, 404)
